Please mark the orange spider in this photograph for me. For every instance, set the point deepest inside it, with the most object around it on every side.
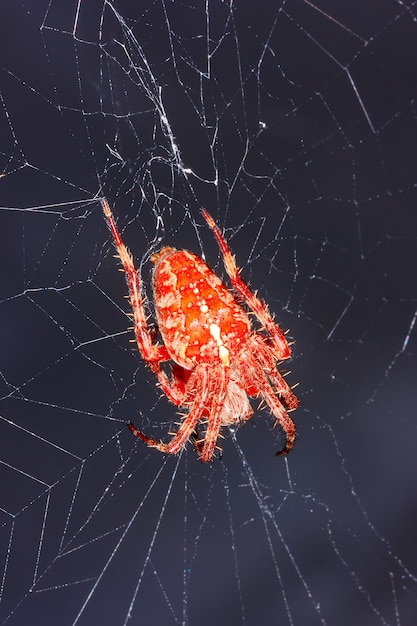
(218, 358)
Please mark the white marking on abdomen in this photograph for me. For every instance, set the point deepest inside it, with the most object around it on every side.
(223, 351)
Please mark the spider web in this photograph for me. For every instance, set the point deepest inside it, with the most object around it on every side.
(294, 124)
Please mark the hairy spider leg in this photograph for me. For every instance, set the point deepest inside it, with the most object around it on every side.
(186, 429)
(258, 307)
(255, 375)
(263, 355)
(210, 394)
(152, 353)
(219, 377)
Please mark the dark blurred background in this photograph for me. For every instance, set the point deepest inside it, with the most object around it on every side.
(294, 124)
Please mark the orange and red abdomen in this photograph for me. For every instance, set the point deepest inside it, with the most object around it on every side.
(198, 318)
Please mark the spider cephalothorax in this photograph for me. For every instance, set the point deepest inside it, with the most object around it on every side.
(218, 359)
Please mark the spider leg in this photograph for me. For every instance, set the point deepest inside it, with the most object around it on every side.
(188, 425)
(218, 393)
(152, 354)
(258, 307)
(254, 374)
(267, 361)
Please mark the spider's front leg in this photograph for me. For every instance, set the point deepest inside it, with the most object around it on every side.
(258, 307)
(152, 353)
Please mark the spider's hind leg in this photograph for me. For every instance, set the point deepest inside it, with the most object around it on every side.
(258, 376)
(199, 382)
(266, 358)
(218, 391)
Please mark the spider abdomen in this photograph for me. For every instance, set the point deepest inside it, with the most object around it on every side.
(198, 318)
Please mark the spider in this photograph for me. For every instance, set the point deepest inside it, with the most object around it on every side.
(218, 359)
